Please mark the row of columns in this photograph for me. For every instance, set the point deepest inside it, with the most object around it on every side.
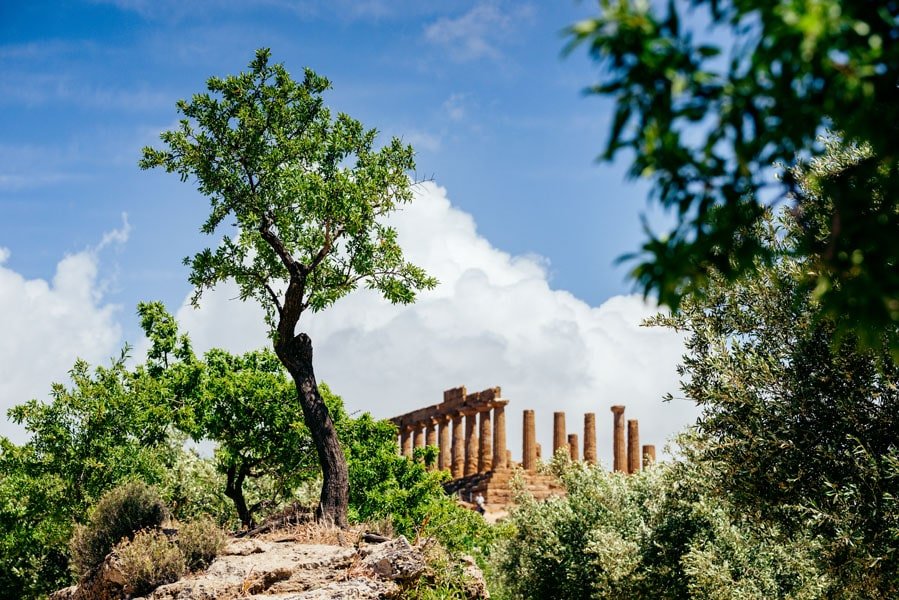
(626, 457)
(478, 439)
(469, 431)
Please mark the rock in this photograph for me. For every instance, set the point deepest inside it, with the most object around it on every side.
(264, 569)
(395, 560)
(64, 594)
(475, 584)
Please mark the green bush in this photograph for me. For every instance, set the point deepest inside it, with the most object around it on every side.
(149, 560)
(659, 533)
(200, 542)
(119, 514)
(402, 494)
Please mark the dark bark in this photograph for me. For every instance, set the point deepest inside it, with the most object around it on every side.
(234, 490)
(295, 354)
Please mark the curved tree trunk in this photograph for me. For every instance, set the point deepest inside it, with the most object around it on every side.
(234, 490)
(296, 355)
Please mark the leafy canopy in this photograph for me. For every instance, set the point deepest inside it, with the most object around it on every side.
(798, 422)
(308, 192)
(706, 120)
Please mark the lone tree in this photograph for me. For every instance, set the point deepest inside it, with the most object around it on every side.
(308, 193)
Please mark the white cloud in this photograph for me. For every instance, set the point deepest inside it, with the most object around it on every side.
(456, 106)
(423, 140)
(494, 320)
(47, 325)
(477, 33)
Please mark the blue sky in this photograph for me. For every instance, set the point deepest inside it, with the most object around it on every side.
(480, 88)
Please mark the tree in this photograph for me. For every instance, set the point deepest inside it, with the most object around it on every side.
(706, 123)
(308, 193)
(798, 421)
(108, 427)
(245, 404)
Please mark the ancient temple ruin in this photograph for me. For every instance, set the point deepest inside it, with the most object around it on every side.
(469, 430)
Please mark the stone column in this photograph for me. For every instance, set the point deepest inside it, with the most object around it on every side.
(485, 443)
(419, 435)
(619, 454)
(633, 446)
(458, 448)
(649, 455)
(539, 452)
(471, 444)
(559, 433)
(444, 459)
(529, 452)
(431, 438)
(572, 447)
(407, 441)
(590, 438)
(499, 438)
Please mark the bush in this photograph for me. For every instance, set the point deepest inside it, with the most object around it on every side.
(148, 561)
(200, 542)
(659, 533)
(118, 515)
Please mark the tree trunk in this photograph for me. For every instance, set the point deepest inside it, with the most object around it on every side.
(296, 355)
(234, 490)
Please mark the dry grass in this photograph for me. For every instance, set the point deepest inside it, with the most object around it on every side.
(311, 532)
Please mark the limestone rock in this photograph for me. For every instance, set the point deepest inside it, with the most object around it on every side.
(395, 560)
(475, 584)
(279, 568)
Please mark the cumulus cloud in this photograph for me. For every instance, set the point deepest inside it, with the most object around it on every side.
(48, 324)
(477, 33)
(493, 320)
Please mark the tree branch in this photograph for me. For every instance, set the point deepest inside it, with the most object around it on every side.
(272, 239)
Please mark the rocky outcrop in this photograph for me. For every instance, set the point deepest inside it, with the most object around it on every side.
(285, 569)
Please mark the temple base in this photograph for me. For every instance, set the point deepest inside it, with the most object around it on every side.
(496, 486)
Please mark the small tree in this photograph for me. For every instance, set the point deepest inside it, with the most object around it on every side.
(308, 193)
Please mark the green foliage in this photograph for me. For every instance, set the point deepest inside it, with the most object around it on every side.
(118, 515)
(200, 541)
(148, 561)
(799, 421)
(307, 191)
(35, 527)
(706, 119)
(308, 194)
(388, 487)
(660, 533)
(108, 427)
(444, 579)
(245, 404)
(193, 488)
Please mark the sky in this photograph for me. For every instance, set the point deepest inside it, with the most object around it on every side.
(516, 218)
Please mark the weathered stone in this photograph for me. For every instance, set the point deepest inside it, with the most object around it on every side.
(590, 438)
(395, 560)
(619, 453)
(559, 440)
(473, 577)
(633, 446)
(529, 452)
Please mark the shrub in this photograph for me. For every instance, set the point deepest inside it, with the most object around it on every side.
(660, 533)
(149, 560)
(119, 514)
(200, 542)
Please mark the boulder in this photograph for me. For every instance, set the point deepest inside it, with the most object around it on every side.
(395, 560)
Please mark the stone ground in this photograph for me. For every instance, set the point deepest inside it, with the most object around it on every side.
(288, 566)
